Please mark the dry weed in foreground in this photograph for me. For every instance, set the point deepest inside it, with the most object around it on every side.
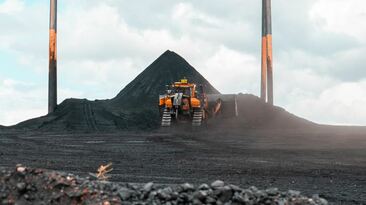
(103, 170)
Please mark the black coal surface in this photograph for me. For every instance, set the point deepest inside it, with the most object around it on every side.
(135, 107)
(254, 113)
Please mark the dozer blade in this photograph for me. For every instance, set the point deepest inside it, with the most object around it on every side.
(224, 105)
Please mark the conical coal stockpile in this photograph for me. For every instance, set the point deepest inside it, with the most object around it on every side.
(136, 106)
(143, 91)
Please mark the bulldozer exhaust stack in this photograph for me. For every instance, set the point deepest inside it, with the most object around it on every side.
(52, 81)
(267, 61)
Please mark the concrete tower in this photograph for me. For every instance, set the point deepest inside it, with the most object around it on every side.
(52, 77)
(267, 60)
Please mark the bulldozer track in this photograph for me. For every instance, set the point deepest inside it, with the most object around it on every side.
(166, 120)
(197, 118)
(89, 116)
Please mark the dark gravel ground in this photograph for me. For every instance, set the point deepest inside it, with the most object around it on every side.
(37, 186)
(327, 161)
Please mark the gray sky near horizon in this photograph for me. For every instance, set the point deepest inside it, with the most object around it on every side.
(319, 49)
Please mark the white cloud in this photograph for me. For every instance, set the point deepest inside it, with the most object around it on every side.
(340, 104)
(231, 71)
(21, 101)
(347, 17)
(11, 6)
(99, 51)
(185, 13)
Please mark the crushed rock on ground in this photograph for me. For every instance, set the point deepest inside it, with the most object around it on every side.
(38, 186)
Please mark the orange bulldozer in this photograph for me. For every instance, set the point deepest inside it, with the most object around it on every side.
(185, 102)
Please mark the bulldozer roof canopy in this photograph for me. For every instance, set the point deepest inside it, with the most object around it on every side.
(186, 85)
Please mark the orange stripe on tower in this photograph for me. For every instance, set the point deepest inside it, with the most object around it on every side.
(270, 69)
(264, 69)
(264, 54)
(53, 45)
(268, 9)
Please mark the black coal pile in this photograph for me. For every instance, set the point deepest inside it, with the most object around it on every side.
(144, 90)
(254, 113)
(135, 107)
(37, 186)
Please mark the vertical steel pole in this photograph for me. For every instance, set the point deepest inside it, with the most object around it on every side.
(52, 77)
(269, 51)
(264, 54)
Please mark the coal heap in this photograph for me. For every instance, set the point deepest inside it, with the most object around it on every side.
(254, 113)
(135, 107)
(143, 91)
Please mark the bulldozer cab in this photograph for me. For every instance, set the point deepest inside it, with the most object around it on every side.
(186, 91)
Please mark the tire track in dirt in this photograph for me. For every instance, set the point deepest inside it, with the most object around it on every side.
(89, 116)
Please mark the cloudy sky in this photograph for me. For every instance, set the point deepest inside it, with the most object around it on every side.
(319, 51)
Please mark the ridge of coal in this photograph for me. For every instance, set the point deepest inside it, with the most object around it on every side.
(135, 106)
(39, 186)
(254, 113)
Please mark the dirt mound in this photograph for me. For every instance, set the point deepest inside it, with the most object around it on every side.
(254, 113)
(37, 186)
(90, 116)
(135, 107)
